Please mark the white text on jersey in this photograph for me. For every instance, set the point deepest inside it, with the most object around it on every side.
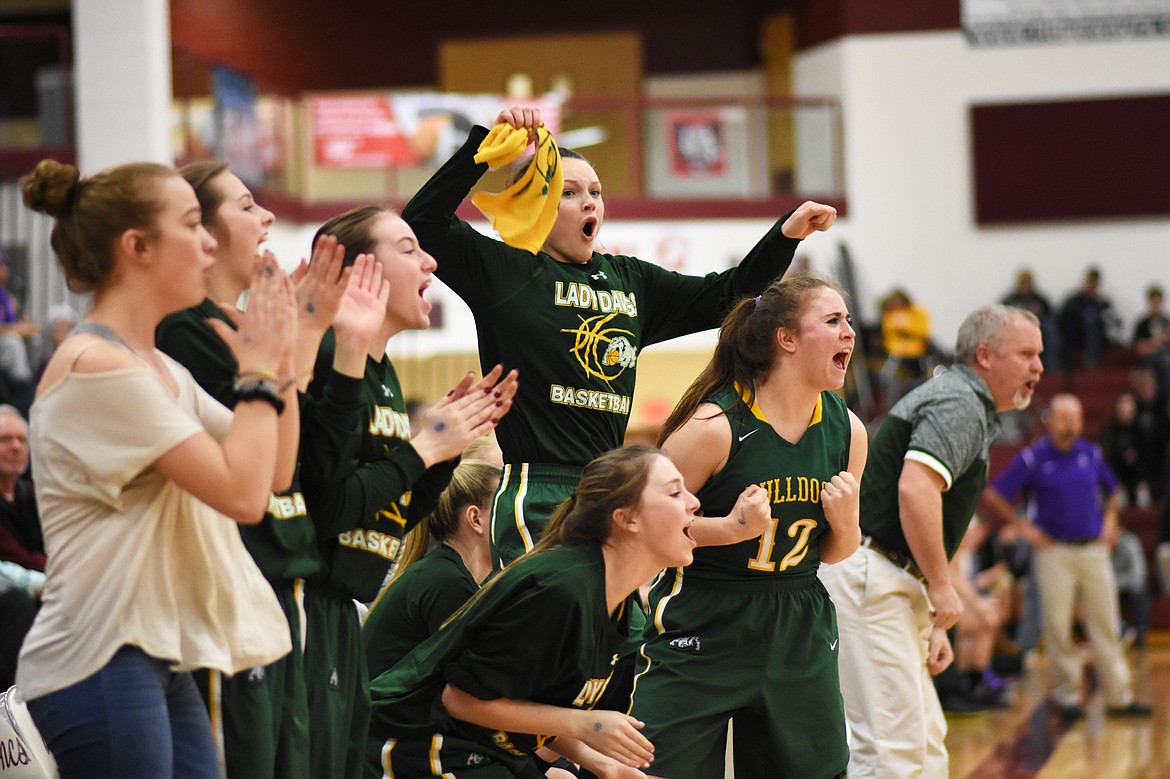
(578, 295)
(591, 399)
(390, 423)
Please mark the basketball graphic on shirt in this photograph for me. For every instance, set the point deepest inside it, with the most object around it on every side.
(620, 352)
(604, 352)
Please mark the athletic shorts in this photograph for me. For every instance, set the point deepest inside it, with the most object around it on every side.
(338, 685)
(762, 654)
(446, 756)
(260, 717)
(528, 495)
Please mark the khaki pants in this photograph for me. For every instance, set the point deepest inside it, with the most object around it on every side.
(895, 723)
(1071, 575)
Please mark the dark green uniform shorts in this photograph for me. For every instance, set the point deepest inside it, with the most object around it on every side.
(445, 756)
(338, 684)
(528, 495)
(260, 717)
(760, 653)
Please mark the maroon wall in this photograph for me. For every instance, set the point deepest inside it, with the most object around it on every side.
(295, 45)
(1071, 160)
(819, 21)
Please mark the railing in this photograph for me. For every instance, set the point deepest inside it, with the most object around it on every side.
(657, 157)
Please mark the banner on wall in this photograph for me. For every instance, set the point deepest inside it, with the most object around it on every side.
(705, 152)
(237, 124)
(1022, 22)
(697, 143)
(408, 130)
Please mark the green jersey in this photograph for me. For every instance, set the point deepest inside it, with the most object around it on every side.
(284, 544)
(947, 424)
(792, 474)
(540, 631)
(574, 331)
(373, 487)
(415, 606)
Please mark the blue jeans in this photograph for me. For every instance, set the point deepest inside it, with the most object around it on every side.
(133, 719)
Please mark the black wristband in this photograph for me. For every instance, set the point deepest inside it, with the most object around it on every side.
(562, 763)
(259, 391)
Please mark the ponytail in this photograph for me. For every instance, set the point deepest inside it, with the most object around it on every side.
(746, 349)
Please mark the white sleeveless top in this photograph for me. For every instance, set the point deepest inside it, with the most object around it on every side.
(132, 558)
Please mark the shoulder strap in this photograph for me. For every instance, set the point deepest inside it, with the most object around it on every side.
(100, 330)
(103, 332)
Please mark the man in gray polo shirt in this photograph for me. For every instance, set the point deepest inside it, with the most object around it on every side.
(896, 595)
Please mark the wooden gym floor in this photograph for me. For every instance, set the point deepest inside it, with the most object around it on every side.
(1029, 739)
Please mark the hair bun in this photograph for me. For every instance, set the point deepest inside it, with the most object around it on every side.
(51, 187)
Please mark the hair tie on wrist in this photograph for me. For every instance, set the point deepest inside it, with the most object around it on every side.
(280, 383)
(258, 389)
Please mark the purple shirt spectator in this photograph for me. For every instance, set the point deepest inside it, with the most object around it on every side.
(1064, 489)
(8, 312)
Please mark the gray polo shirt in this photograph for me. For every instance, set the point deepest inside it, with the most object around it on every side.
(948, 425)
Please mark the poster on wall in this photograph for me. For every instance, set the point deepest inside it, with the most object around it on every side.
(1022, 22)
(711, 152)
(697, 143)
(404, 130)
(237, 124)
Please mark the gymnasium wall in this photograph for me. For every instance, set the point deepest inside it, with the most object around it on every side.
(906, 98)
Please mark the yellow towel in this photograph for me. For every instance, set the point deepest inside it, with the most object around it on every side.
(524, 213)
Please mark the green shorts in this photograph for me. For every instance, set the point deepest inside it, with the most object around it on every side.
(761, 654)
(528, 495)
(338, 685)
(260, 717)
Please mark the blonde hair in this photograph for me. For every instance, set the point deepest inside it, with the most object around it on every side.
(613, 481)
(472, 484)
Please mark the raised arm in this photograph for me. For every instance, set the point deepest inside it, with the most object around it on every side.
(458, 247)
(235, 477)
(477, 267)
(675, 304)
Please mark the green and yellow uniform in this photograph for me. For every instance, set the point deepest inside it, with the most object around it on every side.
(260, 717)
(364, 495)
(415, 606)
(746, 632)
(539, 632)
(575, 333)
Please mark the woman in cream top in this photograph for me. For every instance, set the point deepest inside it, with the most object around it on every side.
(142, 477)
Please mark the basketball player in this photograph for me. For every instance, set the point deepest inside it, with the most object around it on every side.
(524, 662)
(573, 320)
(747, 633)
(385, 479)
(428, 586)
